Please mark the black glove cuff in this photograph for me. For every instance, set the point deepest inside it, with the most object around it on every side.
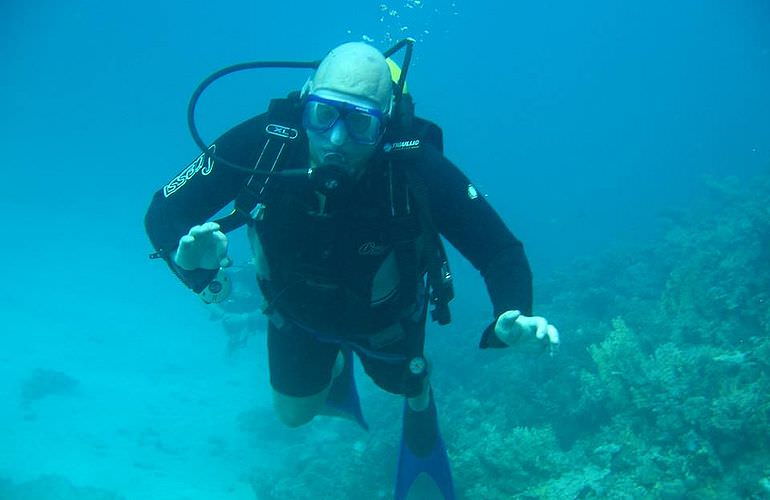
(489, 338)
(197, 279)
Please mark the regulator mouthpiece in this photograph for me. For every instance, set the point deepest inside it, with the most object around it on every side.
(329, 179)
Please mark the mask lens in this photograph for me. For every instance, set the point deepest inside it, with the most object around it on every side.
(320, 116)
(363, 127)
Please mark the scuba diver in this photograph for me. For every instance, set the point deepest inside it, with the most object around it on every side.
(345, 195)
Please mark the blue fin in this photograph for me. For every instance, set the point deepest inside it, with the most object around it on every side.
(343, 400)
(423, 451)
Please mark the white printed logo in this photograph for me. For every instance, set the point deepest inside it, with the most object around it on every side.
(282, 131)
(200, 164)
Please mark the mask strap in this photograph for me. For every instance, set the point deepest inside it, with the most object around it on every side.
(306, 88)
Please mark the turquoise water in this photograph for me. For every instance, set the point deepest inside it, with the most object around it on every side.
(627, 144)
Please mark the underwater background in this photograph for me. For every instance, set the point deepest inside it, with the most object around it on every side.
(626, 143)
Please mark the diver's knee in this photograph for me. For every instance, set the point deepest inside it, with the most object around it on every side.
(293, 419)
(421, 400)
(296, 411)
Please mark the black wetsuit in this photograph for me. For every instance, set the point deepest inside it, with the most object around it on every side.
(330, 274)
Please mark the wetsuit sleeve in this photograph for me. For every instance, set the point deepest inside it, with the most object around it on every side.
(465, 218)
(198, 192)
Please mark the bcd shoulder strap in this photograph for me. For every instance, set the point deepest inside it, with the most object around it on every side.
(401, 150)
(280, 134)
(439, 274)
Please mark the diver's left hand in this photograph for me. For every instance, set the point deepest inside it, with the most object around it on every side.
(512, 326)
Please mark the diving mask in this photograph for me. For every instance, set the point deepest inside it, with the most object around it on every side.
(363, 124)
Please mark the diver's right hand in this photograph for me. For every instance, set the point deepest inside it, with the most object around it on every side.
(203, 247)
